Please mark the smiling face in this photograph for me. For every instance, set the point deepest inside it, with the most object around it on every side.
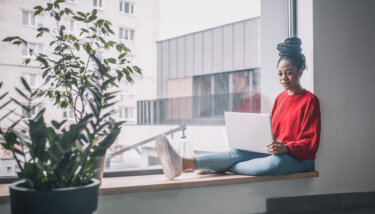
(289, 76)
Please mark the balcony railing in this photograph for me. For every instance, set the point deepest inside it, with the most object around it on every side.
(205, 109)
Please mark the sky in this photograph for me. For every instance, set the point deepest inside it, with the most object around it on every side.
(179, 17)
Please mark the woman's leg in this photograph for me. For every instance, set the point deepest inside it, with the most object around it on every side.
(221, 161)
(273, 165)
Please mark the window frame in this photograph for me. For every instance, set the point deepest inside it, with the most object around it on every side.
(39, 19)
(97, 6)
(131, 8)
(126, 33)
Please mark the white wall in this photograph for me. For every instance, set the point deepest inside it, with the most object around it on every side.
(344, 53)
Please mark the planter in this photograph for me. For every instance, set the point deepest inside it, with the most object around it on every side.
(72, 200)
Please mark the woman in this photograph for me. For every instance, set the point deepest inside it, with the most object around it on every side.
(295, 122)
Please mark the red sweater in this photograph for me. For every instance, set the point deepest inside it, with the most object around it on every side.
(296, 123)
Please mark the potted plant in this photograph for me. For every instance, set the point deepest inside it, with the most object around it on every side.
(56, 161)
(75, 58)
(56, 164)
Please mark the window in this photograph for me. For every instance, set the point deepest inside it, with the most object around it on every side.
(98, 4)
(34, 111)
(31, 49)
(126, 34)
(28, 19)
(127, 7)
(69, 25)
(230, 91)
(68, 114)
(71, 1)
(127, 88)
(34, 80)
(127, 113)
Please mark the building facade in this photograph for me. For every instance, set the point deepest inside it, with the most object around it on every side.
(135, 23)
(203, 74)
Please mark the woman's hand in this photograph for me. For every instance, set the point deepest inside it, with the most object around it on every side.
(277, 148)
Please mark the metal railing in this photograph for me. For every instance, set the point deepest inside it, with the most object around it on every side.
(142, 143)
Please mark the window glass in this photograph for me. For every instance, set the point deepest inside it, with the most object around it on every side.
(126, 7)
(25, 18)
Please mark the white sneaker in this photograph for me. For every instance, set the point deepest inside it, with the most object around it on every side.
(170, 160)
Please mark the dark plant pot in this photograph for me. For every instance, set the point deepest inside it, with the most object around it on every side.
(72, 200)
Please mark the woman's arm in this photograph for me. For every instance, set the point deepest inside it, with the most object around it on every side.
(307, 142)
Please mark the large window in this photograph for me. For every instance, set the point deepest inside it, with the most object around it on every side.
(127, 7)
(126, 34)
(31, 49)
(98, 4)
(28, 19)
(212, 65)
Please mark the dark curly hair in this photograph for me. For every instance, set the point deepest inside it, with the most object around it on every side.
(291, 50)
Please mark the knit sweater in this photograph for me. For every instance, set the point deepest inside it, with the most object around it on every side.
(296, 123)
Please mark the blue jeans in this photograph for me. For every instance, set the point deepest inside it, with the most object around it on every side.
(253, 163)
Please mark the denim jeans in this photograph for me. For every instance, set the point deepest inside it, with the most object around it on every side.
(253, 163)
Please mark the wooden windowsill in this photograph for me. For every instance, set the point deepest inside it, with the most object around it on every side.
(148, 183)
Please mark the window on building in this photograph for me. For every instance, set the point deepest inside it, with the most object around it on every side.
(127, 7)
(34, 80)
(127, 88)
(68, 114)
(98, 4)
(28, 19)
(31, 49)
(230, 91)
(33, 112)
(69, 25)
(127, 113)
(126, 34)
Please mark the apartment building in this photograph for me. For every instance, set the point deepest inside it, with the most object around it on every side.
(135, 23)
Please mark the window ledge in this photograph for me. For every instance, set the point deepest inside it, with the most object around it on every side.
(148, 183)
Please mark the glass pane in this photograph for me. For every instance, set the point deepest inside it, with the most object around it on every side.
(24, 50)
(203, 104)
(71, 25)
(132, 9)
(121, 6)
(132, 35)
(126, 34)
(95, 3)
(241, 92)
(32, 17)
(39, 48)
(100, 3)
(25, 18)
(32, 78)
(126, 7)
(121, 33)
(221, 93)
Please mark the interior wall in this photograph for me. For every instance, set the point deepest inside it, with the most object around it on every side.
(344, 53)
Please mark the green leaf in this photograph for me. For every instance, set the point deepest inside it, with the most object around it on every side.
(24, 83)
(76, 45)
(78, 18)
(81, 14)
(112, 60)
(94, 12)
(9, 39)
(121, 56)
(27, 61)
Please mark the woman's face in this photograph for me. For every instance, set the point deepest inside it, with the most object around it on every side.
(289, 75)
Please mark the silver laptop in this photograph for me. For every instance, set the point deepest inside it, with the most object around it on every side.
(248, 131)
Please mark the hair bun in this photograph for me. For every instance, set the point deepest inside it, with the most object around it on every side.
(291, 46)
